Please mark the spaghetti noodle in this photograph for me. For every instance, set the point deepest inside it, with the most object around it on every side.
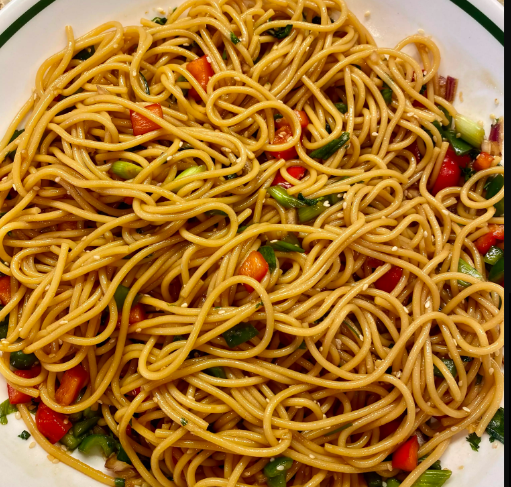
(335, 355)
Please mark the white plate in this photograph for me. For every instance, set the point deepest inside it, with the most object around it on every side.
(470, 53)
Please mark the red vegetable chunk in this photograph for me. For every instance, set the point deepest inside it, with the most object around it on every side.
(73, 381)
(281, 137)
(389, 281)
(483, 161)
(296, 172)
(202, 71)
(406, 457)
(17, 397)
(449, 175)
(142, 125)
(5, 290)
(374, 263)
(484, 243)
(302, 117)
(254, 266)
(54, 426)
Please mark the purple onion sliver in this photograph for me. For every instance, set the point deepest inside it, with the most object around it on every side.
(452, 88)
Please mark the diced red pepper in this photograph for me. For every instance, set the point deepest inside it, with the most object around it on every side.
(302, 117)
(374, 263)
(281, 137)
(51, 424)
(137, 314)
(449, 175)
(134, 392)
(483, 161)
(485, 243)
(73, 381)
(389, 281)
(5, 290)
(414, 149)
(497, 231)
(202, 71)
(142, 125)
(254, 266)
(389, 428)
(406, 457)
(296, 172)
(17, 397)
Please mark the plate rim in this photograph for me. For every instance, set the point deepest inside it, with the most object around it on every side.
(29, 13)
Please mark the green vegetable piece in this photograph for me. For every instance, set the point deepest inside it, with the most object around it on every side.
(493, 255)
(280, 32)
(160, 20)
(309, 201)
(217, 372)
(122, 456)
(269, 256)
(6, 408)
(278, 116)
(106, 443)
(338, 430)
(461, 148)
(241, 333)
(224, 55)
(436, 466)
(497, 272)
(468, 172)
(230, 177)
(16, 134)
(278, 481)
(387, 94)
(4, 325)
(393, 483)
(85, 54)
(121, 294)
(474, 441)
(191, 171)
(83, 427)
(76, 417)
(494, 187)
(310, 212)
(447, 115)
(243, 228)
(373, 479)
(144, 83)
(25, 435)
(331, 148)
(89, 413)
(466, 268)
(118, 482)
(184, 422)
(283, 198)
(22, 361)
(283, 246)
(496, 426)
(278, 467)
(216, 213)
(433, 478)
(342, 107)
(470, 130)
(450, 365)
(125, 170)
(234, 39)
(71, 442)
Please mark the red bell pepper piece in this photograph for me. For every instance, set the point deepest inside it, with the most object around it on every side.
(5, 290)
(302, 117)
(137, 314)
(414, 149)
(497, 231)
(254, 266)
(142, 125)
(73, 381)
(406, 457)
(484, 243)
(202, 71)
(449, 175)
(374, 263)
(389, 428)
(17, 397)
(483, 161)
(461, 161)
(281, 137)
(296, 172)
(389, 281)
(51, 424)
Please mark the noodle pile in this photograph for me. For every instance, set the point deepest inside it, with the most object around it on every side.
(335, 358)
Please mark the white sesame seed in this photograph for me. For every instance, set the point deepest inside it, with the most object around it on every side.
(134, 73)
(181, 144)
(32, 445)
(97, 257)
(64, 322)
(345, 205)
(36, 188)
(47, 288)
(491, 371)
(312, 456)
(421, 32)
(460, 383)
(280, 468)
(184, 305)
(208, 59)
(326, 204)
(139, 330)
(426, 234)
(366, 287)
(375, 134)
(17, 415)
(55, 461)
(236, 78)
(495, 446)
(395, 249)
(466, 409)
(454, 428)
(497, 102)
(367, 14)
(170, 158)
(221, 312)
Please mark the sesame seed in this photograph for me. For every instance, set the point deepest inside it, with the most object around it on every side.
(426, 234)
(458, 135)
(367, 14)
(134, 73)
(497, 102)
(495, 446)
(460, 383)
(236, 78)
(138, 330)
(17, 415)
(312, 456)
(47, 288)
(221, 312)
(181, 144)
(326, 204)
(97, 257)
(280, 468)
(64, 322)
(345, 205)
(395, 249)
(454, 428)
(66, 421)
(491, 371)
(466, 409)
(421, 32)
(375, 134)
(366, 287)
(170, 158)
(320, 349)
(184, 305)
(272, 459)
(55, 461)
(36, 188)
(208, 59)
(32, 445)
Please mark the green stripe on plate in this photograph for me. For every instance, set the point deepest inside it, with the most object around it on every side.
(465, 5)
(481, 18)
(24, 19)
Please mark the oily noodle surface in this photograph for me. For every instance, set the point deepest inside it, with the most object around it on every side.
(313, 386)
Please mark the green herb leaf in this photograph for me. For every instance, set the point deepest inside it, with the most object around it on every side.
(342, 107)
(280, 32)
(25, 435)
(16, 134)
(338, 430)
(224, 55)
(160, 20)
(184, 422)
(474, 441)
(85, 54)
(269, 256)
(239, 334)
(387, 93)
(496, 427)
(468, 172)
(234, 39)
(6, 408)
